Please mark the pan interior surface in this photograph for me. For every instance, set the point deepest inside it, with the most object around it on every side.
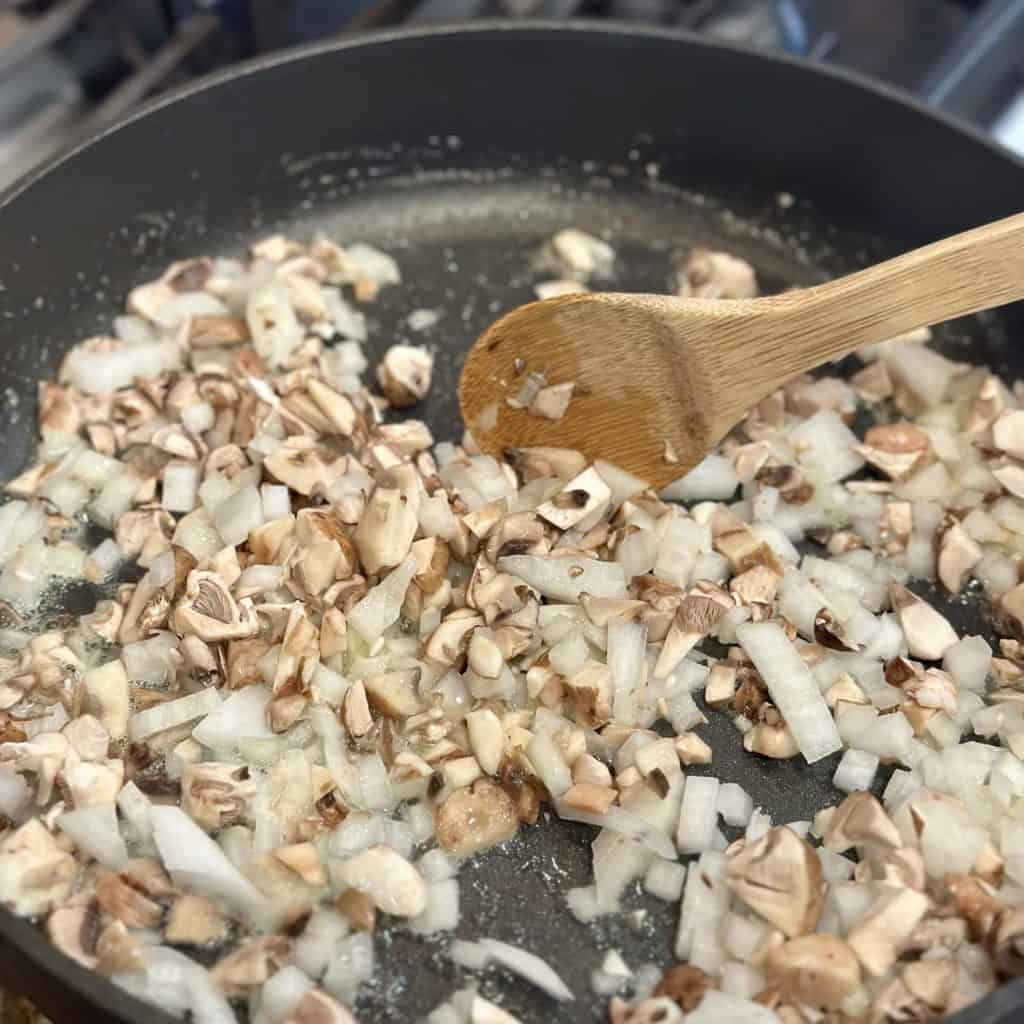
(464, 218)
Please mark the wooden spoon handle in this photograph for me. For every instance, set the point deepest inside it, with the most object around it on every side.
(979, 269)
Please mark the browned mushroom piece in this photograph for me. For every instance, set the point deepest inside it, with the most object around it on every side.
(818, 970)
(316, 1007)
(779, 876)
(251, 964)
(708, 274)
(685, 985)
(216, 794)
(860, 820)
(74, 929)
(305, 466)
(404, 374)
(209, 611)
(476, 818)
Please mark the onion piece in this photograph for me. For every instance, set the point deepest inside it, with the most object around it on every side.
(97, 372)
(792, 687)
(712, 479)
(627, 644)
(698, 814)
(134, 807)
(734, 804)
(351, 964)
(236, 516)
(13, 793)
(151, 661)
(282, 992)
(242, 716)
(618, 819)
(564, 579)
(705, 901)
(198, 864)
(180, 487)
(529, 966)
(549, 764)
(716, 1007)
(94, 829)
(170, 714)
(856, 771)
(381, 607)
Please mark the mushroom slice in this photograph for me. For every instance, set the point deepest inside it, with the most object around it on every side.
(302, 859)
(476, 818)
(770, 737)
(1008, 433)
(208, 610)
(929, 634)
(134, 528)
(708, 274)
(250, 965)
(404, 374)
(958, 553)
(879, 936)
(447, 644)
(819, 970)
(395, 694)
(136, 894)
(305, 466)
(531, 463)
(394, 885)
(696, 615)
(1008, 943)
(755, 586)
(316, 1007)
(36, 874)
(216, 331)
(744, 548)
(336, 407)
(779, 877)
(592, 692)
(896, 526)
(873, 383)
(195, 921)
(860, 820)
(355, 711)
(586, 496)
(299, 654)
(552, 402)
(896, 449)
(386, 530)
(74, 930)
(215, 794)
(486, 739)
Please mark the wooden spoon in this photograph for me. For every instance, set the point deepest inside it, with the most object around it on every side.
(661, 378)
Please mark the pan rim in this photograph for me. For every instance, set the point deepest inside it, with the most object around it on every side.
(527, 27)
(23, 935)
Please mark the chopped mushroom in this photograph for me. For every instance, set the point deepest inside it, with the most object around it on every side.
(716, 275)
(929, 634)
(778, 876)
(820, 970)
(209, 611)
(476, 818)
(404, 374)
(878, 937)
(347, 642)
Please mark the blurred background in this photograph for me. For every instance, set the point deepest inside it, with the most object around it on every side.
(67, 67)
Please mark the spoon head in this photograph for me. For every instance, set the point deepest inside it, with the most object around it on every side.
(634, 403)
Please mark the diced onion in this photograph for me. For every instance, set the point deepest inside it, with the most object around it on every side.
(792, 688)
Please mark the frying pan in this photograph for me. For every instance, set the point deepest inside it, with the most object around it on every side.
(460, 149)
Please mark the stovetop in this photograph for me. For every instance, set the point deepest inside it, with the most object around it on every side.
(69, 66)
